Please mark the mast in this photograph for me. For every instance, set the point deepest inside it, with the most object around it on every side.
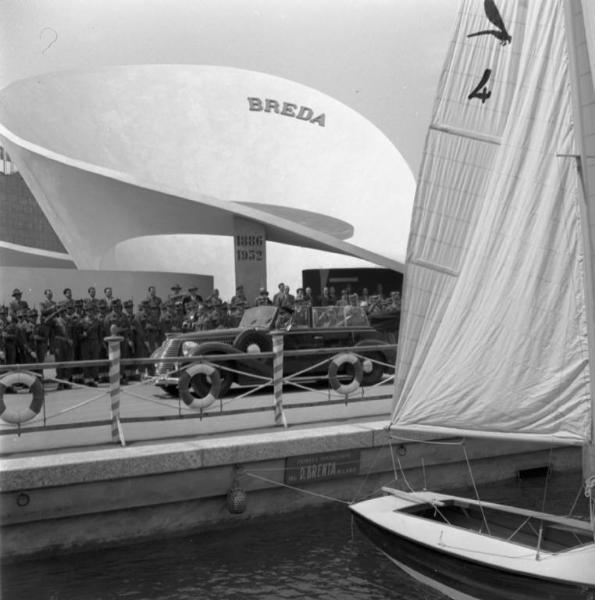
(583, 94)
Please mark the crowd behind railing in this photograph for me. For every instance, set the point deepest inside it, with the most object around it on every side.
(75, 329)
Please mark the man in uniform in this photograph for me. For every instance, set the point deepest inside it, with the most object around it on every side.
(118, 324)
(63, 343)
(109, 297)
(263, 298)
(164, 319)
(18, 303)
(194, 296)
(40, 336)
(25, 353)
(47, 306)
(8, 337)
(178, 316)
(130, 335)
(92, 299)
(141, 338)
(75, 317)
(153, 299)
(175, 294)
(102, 312)
(90, 343)
(67, 293)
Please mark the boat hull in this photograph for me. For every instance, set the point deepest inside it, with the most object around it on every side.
(461, 577)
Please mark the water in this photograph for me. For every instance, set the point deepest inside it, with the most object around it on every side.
(312, 554)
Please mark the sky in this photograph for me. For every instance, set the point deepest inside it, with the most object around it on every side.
(381, 58)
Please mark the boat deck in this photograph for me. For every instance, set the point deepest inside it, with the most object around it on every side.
(531, 530)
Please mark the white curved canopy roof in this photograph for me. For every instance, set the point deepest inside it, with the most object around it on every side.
(123, 152)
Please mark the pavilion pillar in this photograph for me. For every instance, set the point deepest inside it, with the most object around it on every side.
(249, 246)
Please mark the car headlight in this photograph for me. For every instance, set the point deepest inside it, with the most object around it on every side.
(188, 348)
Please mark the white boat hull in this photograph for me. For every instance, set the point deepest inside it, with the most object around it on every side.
(473, 562)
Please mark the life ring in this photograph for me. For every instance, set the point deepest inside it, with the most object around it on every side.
(358, 373)
(185, 382)
(11, 415)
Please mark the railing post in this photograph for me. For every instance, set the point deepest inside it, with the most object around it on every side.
(113, 352)
(278, 377)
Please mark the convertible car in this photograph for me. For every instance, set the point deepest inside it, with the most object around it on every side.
(319, 333)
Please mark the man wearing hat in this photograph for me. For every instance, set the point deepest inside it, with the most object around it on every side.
(178, 316)
(39, 337)
(25, 353)
(176, 288)
(240, 298)
(8, 338)
(263, 298)
(117, 323)
(130, 370)
(141, 338)
(102, 312)
(194, 296)
(76, 317)
(62, 342)
(90, 343)
(17, 304)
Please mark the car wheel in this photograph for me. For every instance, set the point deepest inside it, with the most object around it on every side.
(172, 390)
(253, 341)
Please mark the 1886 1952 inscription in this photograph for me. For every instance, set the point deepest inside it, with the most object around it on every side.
(249, 247)
(321, 467)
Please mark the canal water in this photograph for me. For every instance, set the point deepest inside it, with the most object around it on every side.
(312, 554)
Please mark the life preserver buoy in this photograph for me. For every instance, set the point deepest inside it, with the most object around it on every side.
(11, 415)
(185, 383)
(358, 373)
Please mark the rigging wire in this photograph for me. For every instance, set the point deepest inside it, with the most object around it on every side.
(485, 520)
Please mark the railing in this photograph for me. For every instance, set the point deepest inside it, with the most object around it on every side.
(211, 368)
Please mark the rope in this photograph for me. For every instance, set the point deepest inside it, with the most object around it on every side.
(475, 489)
(578, 495)
(547, 479)
(367, 475)
(291, 487)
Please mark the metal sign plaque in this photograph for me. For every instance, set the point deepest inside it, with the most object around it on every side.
(321, 467)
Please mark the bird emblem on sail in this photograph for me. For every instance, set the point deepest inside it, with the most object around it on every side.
(493, 15)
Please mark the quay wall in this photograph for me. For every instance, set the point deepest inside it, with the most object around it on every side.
(97, 497)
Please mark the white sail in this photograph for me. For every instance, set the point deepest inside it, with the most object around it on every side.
(494, 335)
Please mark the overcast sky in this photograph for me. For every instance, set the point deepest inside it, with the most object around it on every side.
(380, 57)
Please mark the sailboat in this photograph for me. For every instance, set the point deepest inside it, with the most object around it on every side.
(497, 336)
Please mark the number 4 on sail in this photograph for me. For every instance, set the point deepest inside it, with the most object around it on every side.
(497, 336)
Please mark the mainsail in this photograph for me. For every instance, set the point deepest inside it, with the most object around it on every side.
(498, 309)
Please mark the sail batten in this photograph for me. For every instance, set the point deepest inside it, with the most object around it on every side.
(494, 330)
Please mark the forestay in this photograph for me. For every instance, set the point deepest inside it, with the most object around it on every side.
(494, 331)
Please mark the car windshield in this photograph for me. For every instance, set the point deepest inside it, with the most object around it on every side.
(258, 316)
(338, 316)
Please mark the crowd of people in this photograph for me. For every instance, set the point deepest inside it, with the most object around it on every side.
(75, 329)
